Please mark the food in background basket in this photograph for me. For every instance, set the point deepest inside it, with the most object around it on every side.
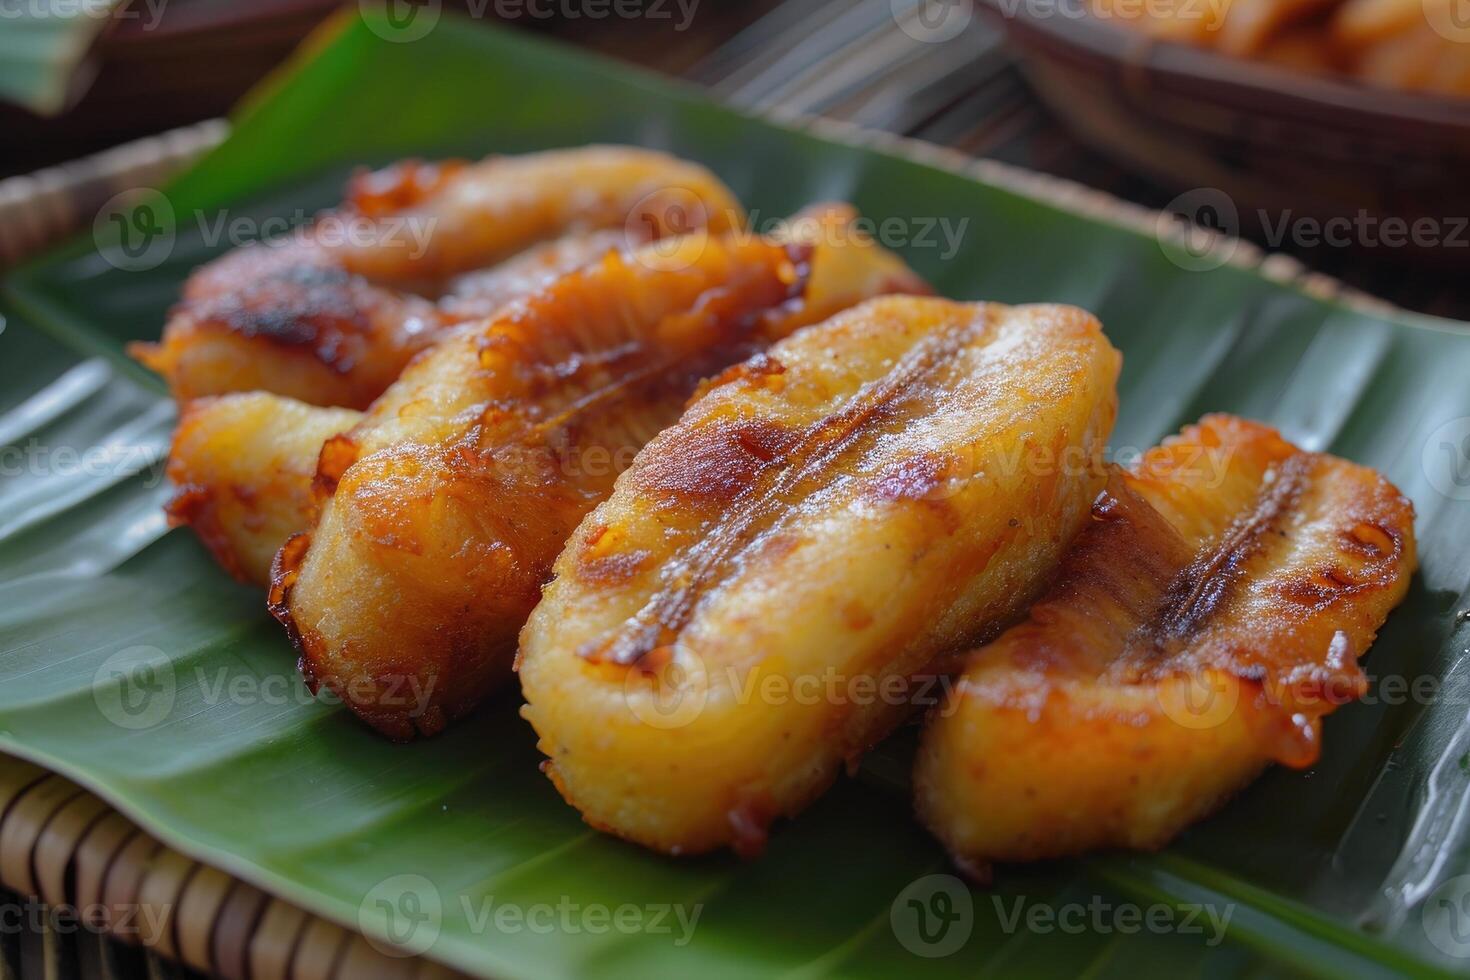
(1406, 44)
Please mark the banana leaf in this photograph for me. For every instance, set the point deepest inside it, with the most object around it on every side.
(43, 46)
(134, 666)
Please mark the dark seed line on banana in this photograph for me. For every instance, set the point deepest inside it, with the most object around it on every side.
(765, 501)
(1206, 583)
(738, 331)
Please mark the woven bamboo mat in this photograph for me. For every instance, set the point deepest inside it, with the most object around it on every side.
(88, 893)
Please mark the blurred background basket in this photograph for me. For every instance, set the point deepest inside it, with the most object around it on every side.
(1273, 140)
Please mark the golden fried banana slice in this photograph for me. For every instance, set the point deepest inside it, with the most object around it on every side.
(824, 524)
(492, 210)
(1211, 614)
(450, 501)
(332, 316)
(243, 465)
(286, 318)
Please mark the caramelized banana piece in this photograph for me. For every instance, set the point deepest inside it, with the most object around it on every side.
(331, 317)
(286, 318)
(1211, 614)
(491, 210)
(243, 465)
(828, 521)
(450, 501)
(479, 294)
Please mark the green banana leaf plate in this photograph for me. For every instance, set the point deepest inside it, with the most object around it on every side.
(134, 666)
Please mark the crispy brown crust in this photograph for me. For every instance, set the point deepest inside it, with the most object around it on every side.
(284, 572)
(338, 453)
(715, 466)
(1366, 561)
(393, 724)
(311, 305)
(288, 318)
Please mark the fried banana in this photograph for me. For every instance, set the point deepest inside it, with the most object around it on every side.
(331, 316)
(825, 525)
(1211, 614)
(245, 462)
(449, 502)
(243, 465)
